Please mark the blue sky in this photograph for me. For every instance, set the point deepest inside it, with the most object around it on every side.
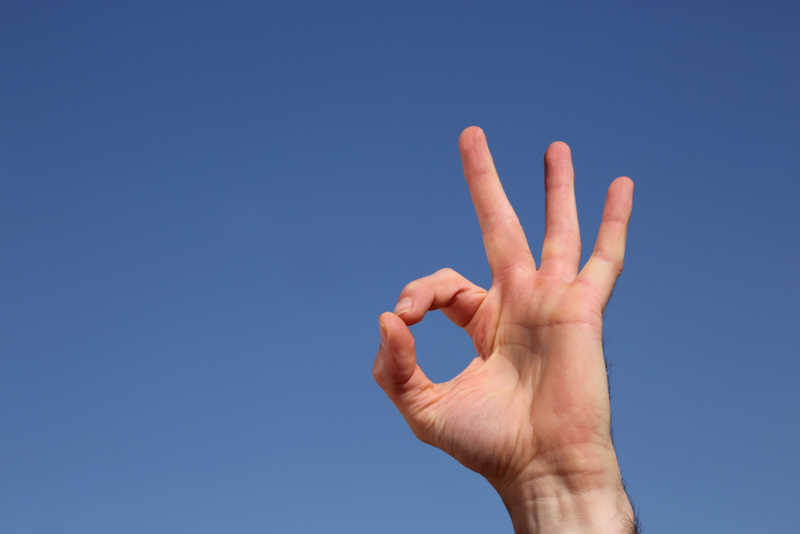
(204, 208)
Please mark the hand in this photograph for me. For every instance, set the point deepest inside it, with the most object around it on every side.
(531, 411)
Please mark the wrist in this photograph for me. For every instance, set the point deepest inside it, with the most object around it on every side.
(557, 504)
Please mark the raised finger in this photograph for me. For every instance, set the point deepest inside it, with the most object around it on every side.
(608, 257)
(503, 237)
(561, 253)
(457, 297)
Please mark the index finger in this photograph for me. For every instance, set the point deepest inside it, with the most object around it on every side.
(503, 237)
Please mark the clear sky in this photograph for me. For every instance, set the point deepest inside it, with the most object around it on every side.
(205, 207)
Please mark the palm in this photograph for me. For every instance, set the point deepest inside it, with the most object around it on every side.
(535, 399)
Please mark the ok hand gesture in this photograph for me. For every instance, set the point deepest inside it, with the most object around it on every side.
(531, 411)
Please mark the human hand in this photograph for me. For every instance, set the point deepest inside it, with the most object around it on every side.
(531, 412)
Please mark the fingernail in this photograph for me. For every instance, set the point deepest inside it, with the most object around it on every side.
(383, 331)
(403, 306)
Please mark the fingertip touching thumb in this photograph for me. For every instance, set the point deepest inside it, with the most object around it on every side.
(396, 359)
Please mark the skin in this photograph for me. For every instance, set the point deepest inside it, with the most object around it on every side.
(531, 412)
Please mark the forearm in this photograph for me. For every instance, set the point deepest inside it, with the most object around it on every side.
(555, 505)
(573, 514)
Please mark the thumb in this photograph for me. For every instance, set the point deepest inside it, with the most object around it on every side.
(397, 373)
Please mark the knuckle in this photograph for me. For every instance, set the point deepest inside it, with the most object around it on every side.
(492, 222)
(447, 272)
